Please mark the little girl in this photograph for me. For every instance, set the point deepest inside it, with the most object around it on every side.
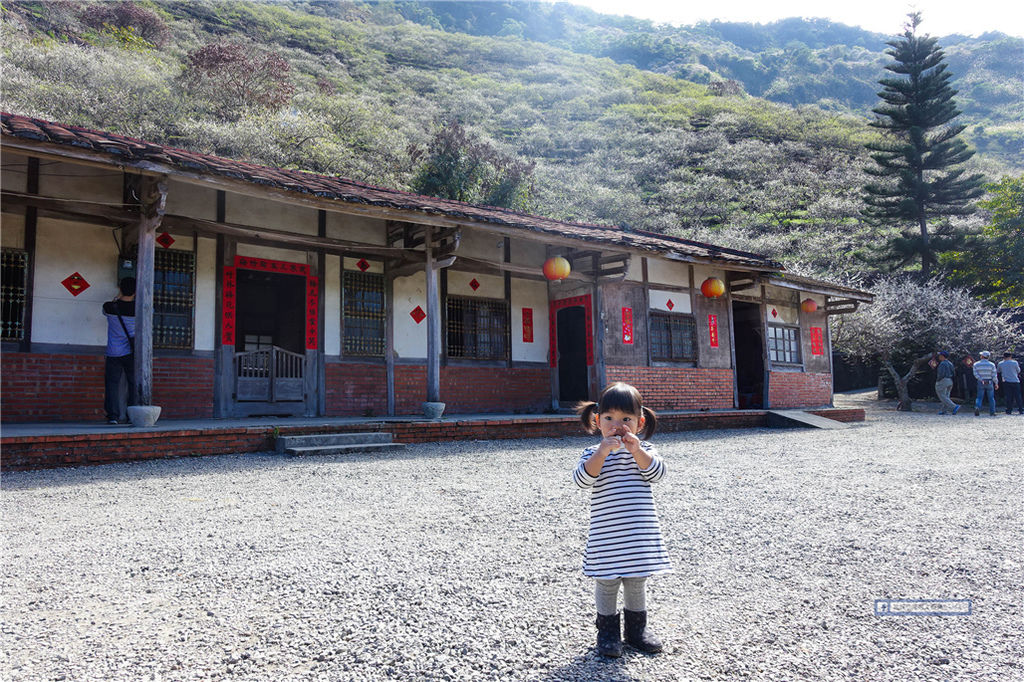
(625, 545)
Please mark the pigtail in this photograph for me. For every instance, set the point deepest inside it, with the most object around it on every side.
(586, 411)
(650, 423)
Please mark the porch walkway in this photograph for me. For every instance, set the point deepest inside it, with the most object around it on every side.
(55, 444)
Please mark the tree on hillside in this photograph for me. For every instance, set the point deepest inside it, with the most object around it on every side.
(235, 77)
(459, 165)
(917, 159)
(993, 263)
(910, 321)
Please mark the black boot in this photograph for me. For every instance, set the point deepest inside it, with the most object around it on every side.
(609, 639)
(637, 634)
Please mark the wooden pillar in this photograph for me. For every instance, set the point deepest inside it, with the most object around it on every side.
(224, 356)
(31, 221)
(600, 375)
(321, 332)
(764, 348)
(433, 322)
(153, 197)
(389, 336)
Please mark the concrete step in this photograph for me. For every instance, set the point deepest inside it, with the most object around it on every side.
(318, 439)
(342, 449)
(797, 419)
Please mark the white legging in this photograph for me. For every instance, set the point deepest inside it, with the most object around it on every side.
(606, 594)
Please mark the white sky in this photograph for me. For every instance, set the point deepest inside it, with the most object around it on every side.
(939, 17)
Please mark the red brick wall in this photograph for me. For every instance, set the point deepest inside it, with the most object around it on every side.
(36, 452)
(183, 387)
(475, 389)
(357, 390)
(799, 389)
(678, 388)
(65, 387)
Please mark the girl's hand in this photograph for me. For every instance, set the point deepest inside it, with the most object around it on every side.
(631, 442)
(609, 444)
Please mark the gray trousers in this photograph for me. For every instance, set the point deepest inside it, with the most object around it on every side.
(942, 389)
(606, 594)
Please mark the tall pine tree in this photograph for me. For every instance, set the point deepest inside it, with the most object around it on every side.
(916, 160)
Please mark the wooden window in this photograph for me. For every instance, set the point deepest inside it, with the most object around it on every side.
(173, 298)
(784, 344)
(363, 314)
(13, 293)
(673, 337)
(477, 328)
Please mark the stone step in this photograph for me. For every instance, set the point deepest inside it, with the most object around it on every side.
(342, 449)
(317, 439)
(796, 419)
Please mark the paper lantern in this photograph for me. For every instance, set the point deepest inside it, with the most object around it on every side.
(809, 305)
(556, 268)
(712, 287)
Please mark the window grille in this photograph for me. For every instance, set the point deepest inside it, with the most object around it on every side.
(784, 344)
(477, 328)
(673, 337)
(173, 298)
(13, 293)
(363, 313)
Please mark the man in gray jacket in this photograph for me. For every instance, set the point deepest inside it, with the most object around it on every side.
(944, 384)
(1009, 372)
(988, 382)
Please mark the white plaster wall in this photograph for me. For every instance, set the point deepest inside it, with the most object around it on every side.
(702, 272)
(193, 201)
(375, 265)
(63, 248)
(12, 231)
(410, 338)
(14, 172)
(332, 305)
(207, 324)
(355, 228)
(73, 181)
(491, 286)
(660, 271)
(680, 301)
(785, 314)
(527, 252)
(274, 215)
(182, 242)
(635, 273)
(530, 294)
(484, 246)
(272, 253)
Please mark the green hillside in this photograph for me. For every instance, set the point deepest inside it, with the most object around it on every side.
(367, 86)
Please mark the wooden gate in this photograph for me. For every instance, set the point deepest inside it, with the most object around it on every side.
(269, 375)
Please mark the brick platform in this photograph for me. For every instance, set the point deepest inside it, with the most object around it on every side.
(75, 449)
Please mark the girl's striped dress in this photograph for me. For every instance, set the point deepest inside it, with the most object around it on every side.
(625, 539)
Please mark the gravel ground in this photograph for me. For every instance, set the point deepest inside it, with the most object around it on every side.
(461, 561)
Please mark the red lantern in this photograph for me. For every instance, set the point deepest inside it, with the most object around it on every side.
(556, 268)
(712, 287)
(809, 305)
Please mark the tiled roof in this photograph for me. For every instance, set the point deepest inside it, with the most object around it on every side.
(128, 151)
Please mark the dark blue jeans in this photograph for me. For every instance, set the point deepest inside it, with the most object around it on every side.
(1012, 396)
(114, 369)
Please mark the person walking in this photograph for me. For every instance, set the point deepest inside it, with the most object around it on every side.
(1009, 372)
(944, 384)
(988, 381)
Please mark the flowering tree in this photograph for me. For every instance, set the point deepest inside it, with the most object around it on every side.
(910, 321)
(236, 77)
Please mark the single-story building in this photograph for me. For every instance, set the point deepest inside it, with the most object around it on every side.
(265, 291)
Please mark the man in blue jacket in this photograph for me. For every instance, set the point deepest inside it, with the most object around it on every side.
(944, 384)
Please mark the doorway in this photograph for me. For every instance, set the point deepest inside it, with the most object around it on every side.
(269, 366)
(571, 326)
(749, 355)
